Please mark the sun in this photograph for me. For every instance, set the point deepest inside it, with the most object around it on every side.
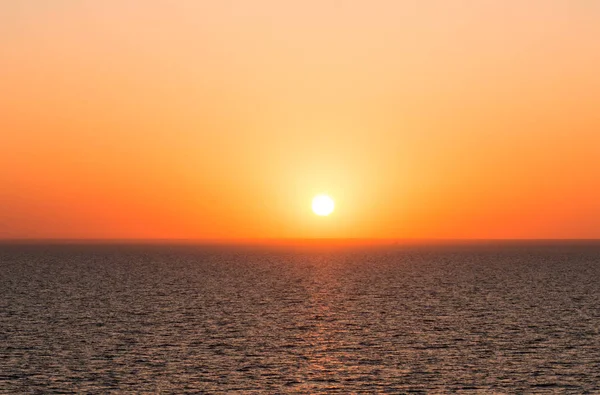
(323, 205)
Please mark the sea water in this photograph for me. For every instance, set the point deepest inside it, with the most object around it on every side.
(487, 318)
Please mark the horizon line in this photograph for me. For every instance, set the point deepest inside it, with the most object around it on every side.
(291, 240)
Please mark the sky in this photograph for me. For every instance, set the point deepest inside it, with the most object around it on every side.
(222, 119)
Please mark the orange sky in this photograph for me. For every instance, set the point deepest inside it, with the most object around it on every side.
(222, 119)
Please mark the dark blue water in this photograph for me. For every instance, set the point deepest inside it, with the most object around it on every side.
(172, 319)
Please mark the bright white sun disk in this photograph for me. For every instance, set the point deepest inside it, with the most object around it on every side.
(323, 205)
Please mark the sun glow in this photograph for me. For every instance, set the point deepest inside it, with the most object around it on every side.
(323, 205)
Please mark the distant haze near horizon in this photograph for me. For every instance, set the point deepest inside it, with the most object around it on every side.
(222, 120)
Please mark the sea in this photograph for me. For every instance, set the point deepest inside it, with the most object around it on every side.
(463, 318)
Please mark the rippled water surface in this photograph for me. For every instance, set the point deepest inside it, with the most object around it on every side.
(173, 319)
